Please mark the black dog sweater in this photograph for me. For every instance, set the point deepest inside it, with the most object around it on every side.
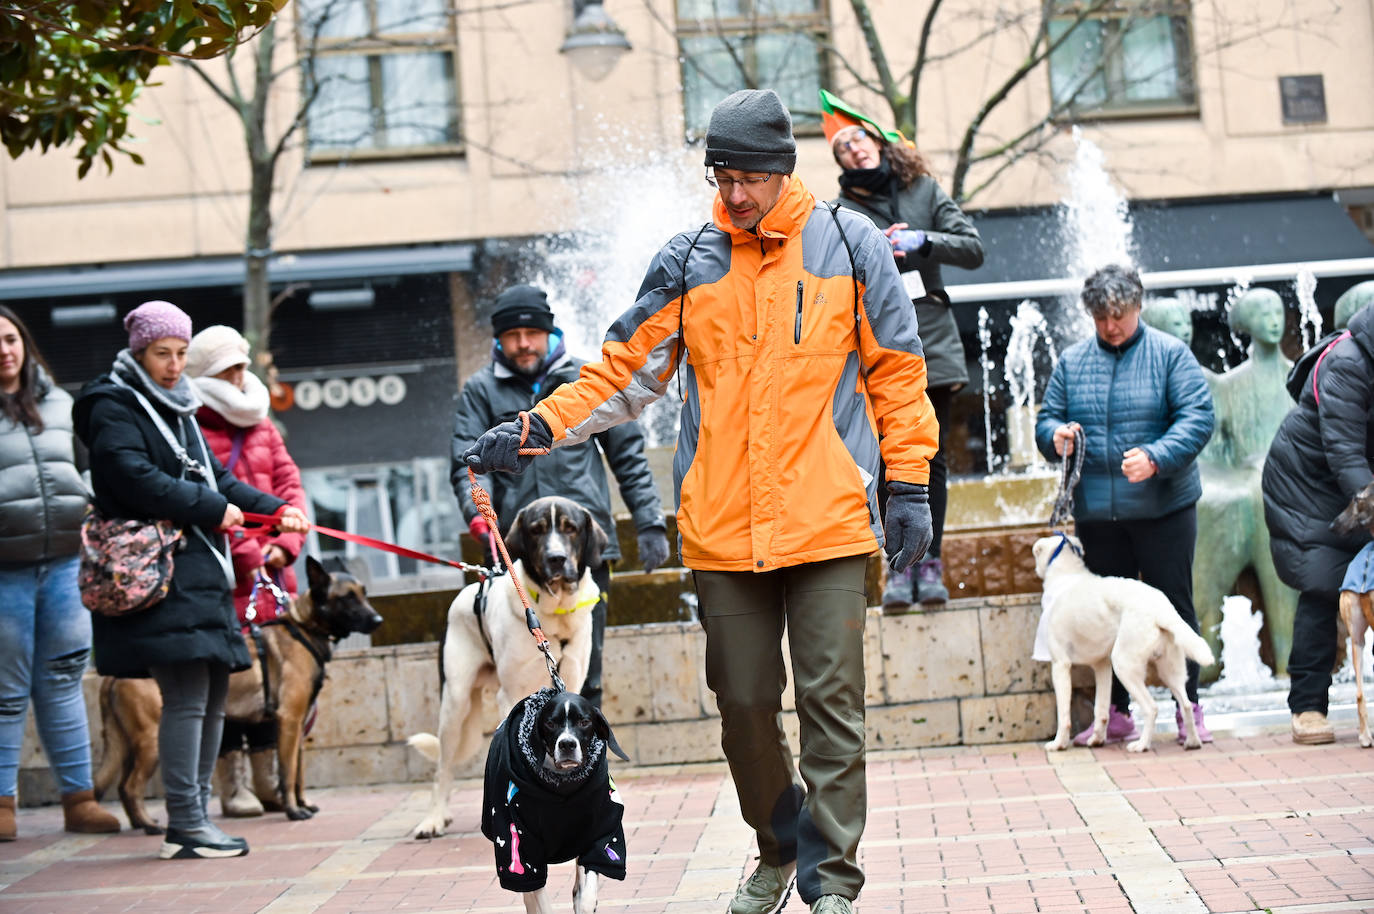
(535, 817)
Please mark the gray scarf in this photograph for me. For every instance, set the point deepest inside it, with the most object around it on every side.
(181, 400)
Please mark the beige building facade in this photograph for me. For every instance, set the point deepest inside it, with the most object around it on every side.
(452, 148)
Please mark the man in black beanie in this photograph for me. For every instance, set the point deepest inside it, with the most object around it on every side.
(528, 361)
(797, 354)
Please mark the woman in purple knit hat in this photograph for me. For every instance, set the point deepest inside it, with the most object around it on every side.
(150, 462)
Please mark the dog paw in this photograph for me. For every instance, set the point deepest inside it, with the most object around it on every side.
(1366, 741)
(296, 814)
(310, 806)
(152, 829)
(1192, 744)
(1056, 745)
(430, 828)
(1139, 745)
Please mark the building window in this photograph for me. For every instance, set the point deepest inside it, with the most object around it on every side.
(1128, 57)
(728, 45)
(385, 73)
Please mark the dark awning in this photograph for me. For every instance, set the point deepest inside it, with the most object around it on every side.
(202, 272)
(1177, 243)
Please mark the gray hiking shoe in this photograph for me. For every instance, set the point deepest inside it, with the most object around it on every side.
(832, 904)
(898, 594)
(930, 582)
(766, 891)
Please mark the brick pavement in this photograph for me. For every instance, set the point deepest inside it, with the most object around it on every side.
(1251, 823)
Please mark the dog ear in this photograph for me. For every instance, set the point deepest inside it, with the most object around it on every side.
(603, 730)
(316, 576)
(515, 538)
(593, 540)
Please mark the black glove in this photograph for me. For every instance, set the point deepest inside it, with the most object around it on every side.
(907, 527)
(653, 547)
(499, 447)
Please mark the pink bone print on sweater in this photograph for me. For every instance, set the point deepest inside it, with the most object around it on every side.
(515, 865)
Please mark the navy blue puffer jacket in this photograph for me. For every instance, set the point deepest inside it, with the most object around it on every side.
(1147, 393)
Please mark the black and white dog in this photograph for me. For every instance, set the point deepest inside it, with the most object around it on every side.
(548, 797)
(554, 544)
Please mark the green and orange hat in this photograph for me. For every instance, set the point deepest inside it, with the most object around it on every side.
(837, 116)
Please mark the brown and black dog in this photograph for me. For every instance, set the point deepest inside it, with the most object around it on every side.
(298, 646)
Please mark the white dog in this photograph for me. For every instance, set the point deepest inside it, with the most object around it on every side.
(1111, 624)
(554, 544)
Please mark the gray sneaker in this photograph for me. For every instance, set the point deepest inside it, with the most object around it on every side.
(766, 891)
(832, 904)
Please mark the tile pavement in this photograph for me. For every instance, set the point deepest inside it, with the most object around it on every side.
(1250, 823)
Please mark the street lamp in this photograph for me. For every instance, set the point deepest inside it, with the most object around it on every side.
(594, 42)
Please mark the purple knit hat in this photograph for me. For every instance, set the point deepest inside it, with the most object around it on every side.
(154, 320)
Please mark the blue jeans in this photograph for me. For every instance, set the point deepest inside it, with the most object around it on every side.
(45, 640)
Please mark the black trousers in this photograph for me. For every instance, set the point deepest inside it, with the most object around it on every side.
(591, 686)
(941, 398)
(1314, 651)
(1158, 552)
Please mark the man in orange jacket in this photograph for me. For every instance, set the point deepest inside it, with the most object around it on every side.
(801, 367)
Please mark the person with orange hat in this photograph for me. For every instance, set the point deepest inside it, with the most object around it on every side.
(887, 180)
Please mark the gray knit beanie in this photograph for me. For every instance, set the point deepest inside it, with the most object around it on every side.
(751, 131)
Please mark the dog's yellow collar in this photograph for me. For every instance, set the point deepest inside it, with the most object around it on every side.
(585, 603)
(592, 597)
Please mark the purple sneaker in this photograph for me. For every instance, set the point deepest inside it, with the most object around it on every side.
(930, 581)
(1202, 732)
(1120, 727)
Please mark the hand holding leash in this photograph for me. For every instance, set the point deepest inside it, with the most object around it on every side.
(504, 447)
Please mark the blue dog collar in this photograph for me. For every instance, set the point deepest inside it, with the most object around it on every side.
(1063, 541)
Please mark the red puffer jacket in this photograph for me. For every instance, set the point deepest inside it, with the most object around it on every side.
(264, 464)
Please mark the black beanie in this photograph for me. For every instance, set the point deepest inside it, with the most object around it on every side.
(751, 131)
(521, 306)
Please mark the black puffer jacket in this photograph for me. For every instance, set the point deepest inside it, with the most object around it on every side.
(1319, 459)
(42, 496)
(136, 475)
(495, 394)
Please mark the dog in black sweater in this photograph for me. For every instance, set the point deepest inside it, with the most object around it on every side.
(548, 797)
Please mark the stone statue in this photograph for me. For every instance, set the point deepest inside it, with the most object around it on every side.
(1251, 401)
(1170, 316)
(1352, 300)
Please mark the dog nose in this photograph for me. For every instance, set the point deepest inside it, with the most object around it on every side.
(373, 622)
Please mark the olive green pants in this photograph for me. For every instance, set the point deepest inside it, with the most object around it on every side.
(822, 607)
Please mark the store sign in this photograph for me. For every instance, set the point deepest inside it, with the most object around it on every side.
(337, 393)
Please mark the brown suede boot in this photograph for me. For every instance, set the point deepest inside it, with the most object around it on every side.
(7, 830)
(82, 814)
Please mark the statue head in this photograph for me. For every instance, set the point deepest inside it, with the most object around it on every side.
(1259, 314)
(1170, 316)
(1352, 300)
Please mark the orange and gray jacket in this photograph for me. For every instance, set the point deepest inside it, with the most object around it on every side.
(789, 382)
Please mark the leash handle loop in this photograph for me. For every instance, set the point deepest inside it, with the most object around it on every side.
(1069, 472)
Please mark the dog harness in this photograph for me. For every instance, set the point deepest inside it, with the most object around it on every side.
(535, 817)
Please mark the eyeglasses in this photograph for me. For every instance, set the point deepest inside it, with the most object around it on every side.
(728, 184)
(854, 140)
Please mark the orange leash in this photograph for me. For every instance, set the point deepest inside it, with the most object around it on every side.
(482, 500)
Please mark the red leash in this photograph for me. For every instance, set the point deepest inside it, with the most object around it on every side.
(482, 500)
(269, 523)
